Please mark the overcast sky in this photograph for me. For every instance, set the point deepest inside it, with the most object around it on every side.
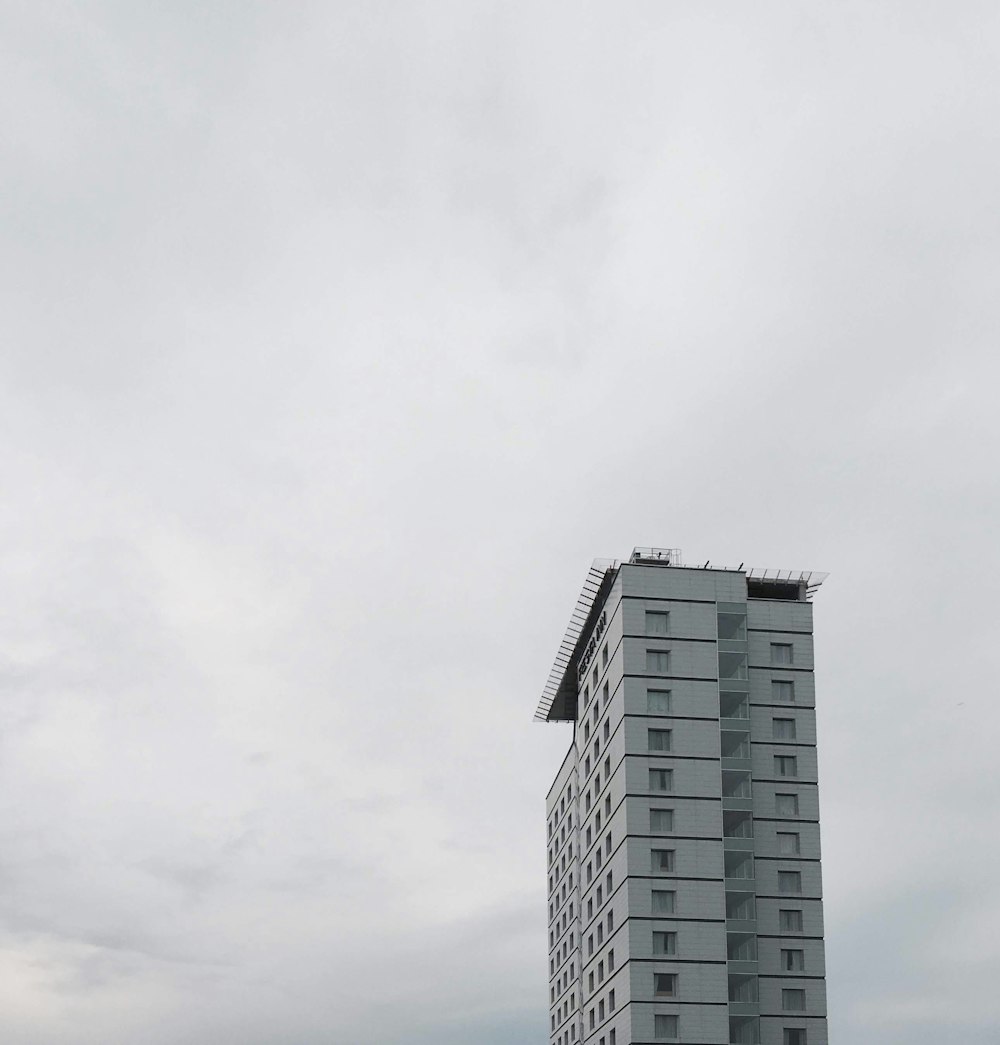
(336, 340)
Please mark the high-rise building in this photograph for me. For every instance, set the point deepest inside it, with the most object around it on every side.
(684, 894)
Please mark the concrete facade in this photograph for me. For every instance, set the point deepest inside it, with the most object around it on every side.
(683, 862)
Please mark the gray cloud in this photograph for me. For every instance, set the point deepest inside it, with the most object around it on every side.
(338, 339)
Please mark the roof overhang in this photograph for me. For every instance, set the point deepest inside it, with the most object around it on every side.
(558, 700)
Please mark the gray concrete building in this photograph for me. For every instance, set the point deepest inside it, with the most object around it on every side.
(684, 889)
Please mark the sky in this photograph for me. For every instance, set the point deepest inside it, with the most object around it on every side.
(337, 339)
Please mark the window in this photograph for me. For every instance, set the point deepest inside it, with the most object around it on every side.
(783, 728)
(744, 1030)
(790, 921)
(793, 960)
(786, 805)
(661, 821)
(793, 1036)
(661, 780)
(743, 989)
(781, 653)
(732, 626)
(665, 1027)
(734, 705)
(607, 730)
(659, 739)
(789, 881)
(656, 622)
(611, 922)
(788, 843)
(740, 906)
(782, 691)
(611, 960)
(741, 947)
(732, 665)
(607, 844)
(665, 984)
(609, 880)
(611, 1001)
(793, 1000)
(735, 745)
(611, 1037)
(657, 661)
(739, 864)
(604, 656)
(658, 701)
(594, 677)
(735, 784)
(600, 1009)
(663, 860)
(664, 943)
(605, 693)
(664, 901)
(786, 765)
(590, 982)
(737, 824)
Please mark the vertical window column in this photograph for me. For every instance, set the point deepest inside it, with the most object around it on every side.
(737, 825)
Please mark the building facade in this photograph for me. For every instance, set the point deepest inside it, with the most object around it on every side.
(684, 889)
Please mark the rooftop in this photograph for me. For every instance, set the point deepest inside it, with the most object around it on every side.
(559, 695)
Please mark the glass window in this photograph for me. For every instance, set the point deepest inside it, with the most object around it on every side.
(659, 739)
(657, 622)
(658, 661)
(664, 943)
(734, 705)
(658, 701)
(740, 906)
(661, 780)
(663, 859)
(786, 765)
(782, 691)
(788, 843)
(665, 1027)
(604, 656)
(783, 728)
(739, 864)
(786, 805)
(737, 823)
(732, 665)
(789, 881)
(793, 1000)
(664, 901)
(793, 1036)
(781, 653)
(665, 984)
(790, 921)
(661, 820)
(741, 947)
(735, 783)
(744, 1030)
(793, 960)
(732, 626)
(742, 988)
(735, 744)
